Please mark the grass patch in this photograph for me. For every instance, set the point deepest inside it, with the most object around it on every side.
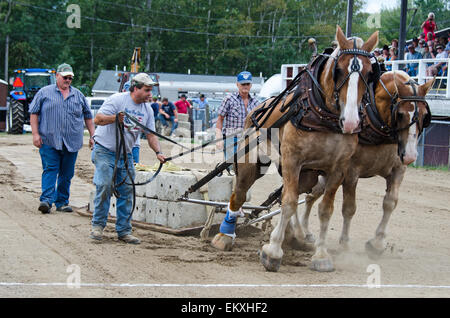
(434, 168)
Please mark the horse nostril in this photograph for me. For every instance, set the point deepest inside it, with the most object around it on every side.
(341, 122)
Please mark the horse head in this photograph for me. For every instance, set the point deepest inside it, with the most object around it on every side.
(405, 109)
(345, 78)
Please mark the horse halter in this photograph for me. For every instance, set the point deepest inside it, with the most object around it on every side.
(397, 100)
(354, 68)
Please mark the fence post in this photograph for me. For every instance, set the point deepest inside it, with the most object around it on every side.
(448, 81)
(421, 72)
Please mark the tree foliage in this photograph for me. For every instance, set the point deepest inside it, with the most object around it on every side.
(203, 36)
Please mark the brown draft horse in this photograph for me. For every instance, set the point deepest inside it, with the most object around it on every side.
(343, 84)
(386, 160)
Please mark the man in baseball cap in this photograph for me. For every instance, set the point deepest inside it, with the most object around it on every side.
(244, 77)
(135, 103)
(65, 70)
(144, 79)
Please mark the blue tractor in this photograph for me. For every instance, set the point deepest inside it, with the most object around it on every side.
(26, 83)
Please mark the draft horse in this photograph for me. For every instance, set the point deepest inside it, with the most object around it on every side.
(400, 115)
(342, 83)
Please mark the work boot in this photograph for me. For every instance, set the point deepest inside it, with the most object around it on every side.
(64, 208)
(96, 233)
(44, 207)
(129, 239)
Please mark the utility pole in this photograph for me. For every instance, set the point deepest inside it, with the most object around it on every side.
(6, 57)
(402, 37)
(348, 29)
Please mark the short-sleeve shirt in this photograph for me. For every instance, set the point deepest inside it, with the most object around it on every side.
(106, 135)
(155, 107)
(61, 120)
(233, 109)
(168, 109)
(182, 106)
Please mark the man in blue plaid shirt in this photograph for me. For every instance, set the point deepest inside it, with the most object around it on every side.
(234, 110)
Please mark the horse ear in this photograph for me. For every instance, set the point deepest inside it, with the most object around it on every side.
(341, 38)
(425, 88)
(371, 43)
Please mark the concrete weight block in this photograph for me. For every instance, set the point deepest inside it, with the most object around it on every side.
(183, 117)
(151, 209)
(112, 206)
(139, 210)
(171, 186)
(220, 188)
(184, 214)
(184, 125)
(142, 176)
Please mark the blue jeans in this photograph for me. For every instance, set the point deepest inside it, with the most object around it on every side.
(228, 149)
(58, 169)
(103, 160)
(135, 152)
(163, 120)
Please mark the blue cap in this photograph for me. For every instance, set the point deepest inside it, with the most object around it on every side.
(244, 77)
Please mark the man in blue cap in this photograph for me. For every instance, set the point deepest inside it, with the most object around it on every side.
(234, 110)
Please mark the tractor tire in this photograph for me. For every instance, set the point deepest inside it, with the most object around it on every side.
(15, 118)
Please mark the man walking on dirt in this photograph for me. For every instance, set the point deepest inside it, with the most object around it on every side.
(56, 118)
(133, 102)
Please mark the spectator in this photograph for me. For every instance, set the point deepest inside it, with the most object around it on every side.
(394, 43)
(57, 113)
(415, 42)
(155, 106)
(377, 52)
(431, 45)
(428, 53)
(442, 41)
(392, 57)
(447, 47)
(203, 107)
(429, 26)
(411, 68)
(421, 47)
(168, 111)
(422, 37)
(104, 155)
(438, 68)
(182, 105)
(385, 52)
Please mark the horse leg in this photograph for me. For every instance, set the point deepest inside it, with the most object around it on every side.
(272, 253)
(375, 247)
(348, 208)
(321, 260)
(297, 234)
(247, 175)
(310, 199)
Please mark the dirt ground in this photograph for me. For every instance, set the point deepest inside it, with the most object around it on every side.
(36, 249)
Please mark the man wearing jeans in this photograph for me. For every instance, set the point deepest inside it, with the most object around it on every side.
(56, 118)
(169, 112)
(135, 103)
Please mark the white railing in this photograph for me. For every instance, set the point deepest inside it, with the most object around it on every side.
(422, 74)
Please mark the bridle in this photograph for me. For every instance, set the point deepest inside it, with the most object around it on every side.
(396, 100)
(354, 68)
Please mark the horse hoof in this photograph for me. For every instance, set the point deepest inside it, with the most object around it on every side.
(322, 265)
(373, 252)
(309, 238)
(270, 264)
(222, 242)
